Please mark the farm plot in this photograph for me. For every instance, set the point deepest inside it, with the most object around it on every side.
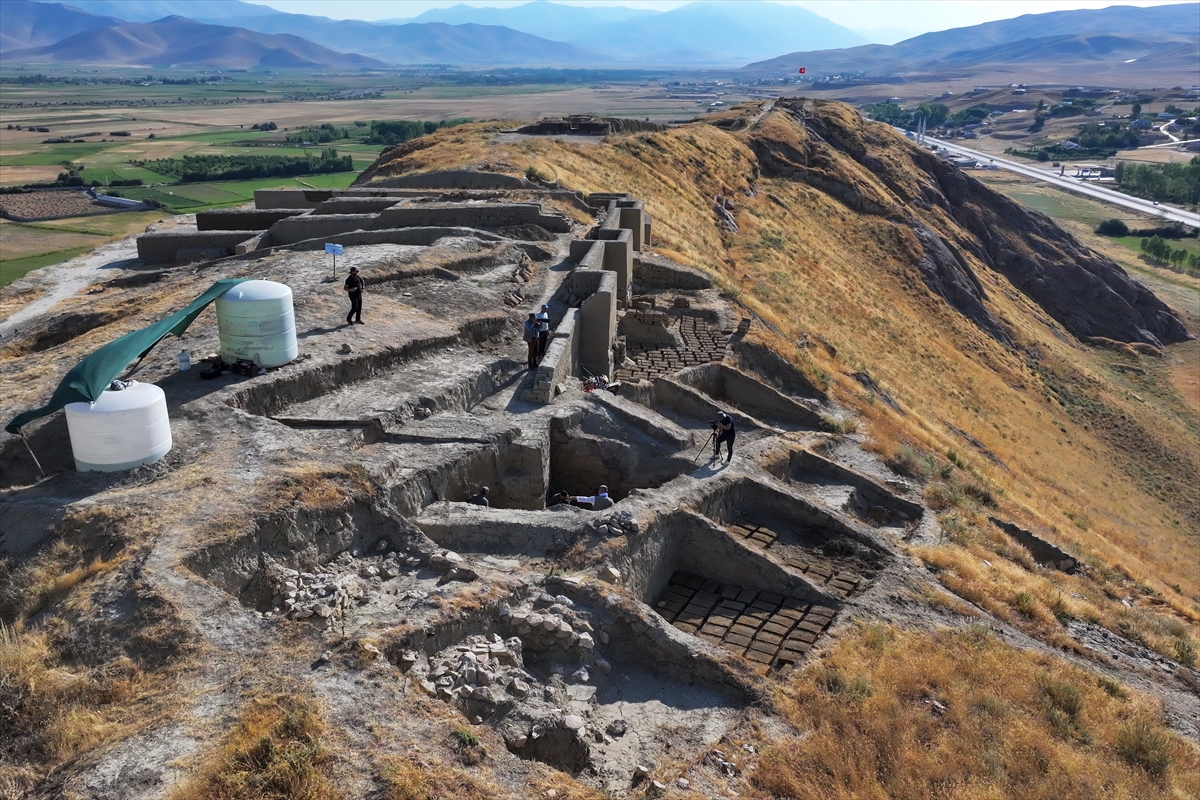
(49, 205)
(20, 241)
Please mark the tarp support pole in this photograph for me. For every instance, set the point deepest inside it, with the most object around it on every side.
(25, 442)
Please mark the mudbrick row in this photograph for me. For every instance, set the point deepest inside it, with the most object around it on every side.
(815, 569)
(701, 344)
(768, 629)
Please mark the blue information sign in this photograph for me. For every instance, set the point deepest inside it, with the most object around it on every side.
(333, 249)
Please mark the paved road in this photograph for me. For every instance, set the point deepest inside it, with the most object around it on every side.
(1074, 185)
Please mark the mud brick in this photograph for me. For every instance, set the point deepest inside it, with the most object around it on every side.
(687, 615)
(730, 607)
(818, 569)
(792, 602)
(710, 586)
(772, 639)
(796, 564)
(758, 646)
(730, 592)
(816, 626)
(741, 530)
(821, 612)
(777, 629)
(782, 663)
(759, 617)
(738, 639)
(717, 626)
(760, 657)
(747, 596)
(681, 577)
(698, 611)
(707, 597)
(743, 630)
(767, 532)
(848, 577)
(761, 538)
(800, 636)
(674, 606)
(667, 614)
(795, 647)
(771, 597)
(840, 587)
(687, 627)
(763, 605)
(678, 593)
(694, 582)
(709, 637)
(722, 621)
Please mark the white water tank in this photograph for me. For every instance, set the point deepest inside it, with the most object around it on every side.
(255, 322)
(121, 430)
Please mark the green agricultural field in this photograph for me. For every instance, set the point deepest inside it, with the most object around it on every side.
(11, 270)
(1135, 243)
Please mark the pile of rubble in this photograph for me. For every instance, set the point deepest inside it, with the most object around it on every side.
(348, 580)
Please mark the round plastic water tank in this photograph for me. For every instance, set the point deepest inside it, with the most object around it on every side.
(255, 322)
(121, 430)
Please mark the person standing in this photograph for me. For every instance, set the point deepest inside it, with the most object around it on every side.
(354, 288)
(543, 319)
(530, 334)
(726, 432)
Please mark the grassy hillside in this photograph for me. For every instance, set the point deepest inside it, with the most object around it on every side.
(1094, 448)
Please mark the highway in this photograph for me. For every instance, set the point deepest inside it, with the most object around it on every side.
(1074, 185)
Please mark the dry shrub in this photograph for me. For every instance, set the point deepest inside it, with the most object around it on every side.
(276, 750)
(960, 714)
(315, 486)
(51, 712)
(405, 779)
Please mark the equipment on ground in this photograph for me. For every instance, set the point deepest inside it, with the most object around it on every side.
(704, 447)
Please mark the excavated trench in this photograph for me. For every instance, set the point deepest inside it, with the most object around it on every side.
(830, 551)
(847, 490)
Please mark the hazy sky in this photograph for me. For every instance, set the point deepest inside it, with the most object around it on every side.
(884, 21)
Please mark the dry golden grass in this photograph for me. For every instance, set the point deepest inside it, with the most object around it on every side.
(405, 779)
(315, 486)
(277, 751)
(962, 715)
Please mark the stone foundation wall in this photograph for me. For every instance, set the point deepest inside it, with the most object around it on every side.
(242, 219)
(355, 205)
(489, 215)
(297, 229)
(164, 247)
(423, 237)
(599, 327)
(656, 272)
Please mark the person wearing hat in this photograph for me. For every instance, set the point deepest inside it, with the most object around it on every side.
(354, 287)
(530, 334)
(480, 499)
(543, 319)
(599, 501)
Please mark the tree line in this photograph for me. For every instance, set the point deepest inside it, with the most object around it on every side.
(1174, 183)
(198, 169)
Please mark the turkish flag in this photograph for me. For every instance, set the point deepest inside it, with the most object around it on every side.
(802, 70)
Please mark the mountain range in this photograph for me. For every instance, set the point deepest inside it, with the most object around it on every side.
(181, 42)
(1110, 37)
(1105, 44)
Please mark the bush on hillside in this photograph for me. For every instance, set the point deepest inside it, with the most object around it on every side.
(1112, 227)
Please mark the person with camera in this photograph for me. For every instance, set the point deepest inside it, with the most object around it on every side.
(726, 431)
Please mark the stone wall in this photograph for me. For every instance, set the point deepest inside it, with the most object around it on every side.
(618, 257)
(242, 219)
(599, 326)
(632, 216)
(297, 229)
(561, 361)
(355, 205)
(657, 272)
(165, 247)
(647, 327)
(423, 237)
(483, 215)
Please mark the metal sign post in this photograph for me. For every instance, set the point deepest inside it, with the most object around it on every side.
(334, 250)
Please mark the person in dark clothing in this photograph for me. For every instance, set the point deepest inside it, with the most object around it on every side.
(543, 320)
(530, 335)
(354, 288)
(726, 432)
(480, 498)
(562, 498)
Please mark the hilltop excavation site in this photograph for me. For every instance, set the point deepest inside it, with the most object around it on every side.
(296, 565)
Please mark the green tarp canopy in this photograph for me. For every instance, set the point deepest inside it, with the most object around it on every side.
(90, 377)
